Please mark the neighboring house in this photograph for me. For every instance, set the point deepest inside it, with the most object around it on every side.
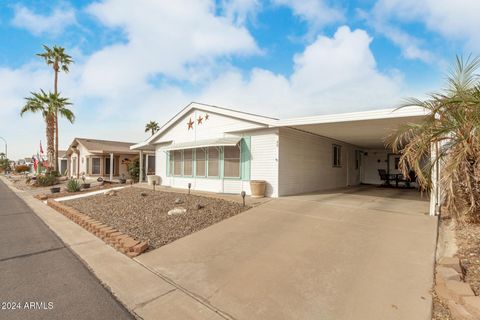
(26, 162)
(62, 162)
(102, 158)
(221, 150)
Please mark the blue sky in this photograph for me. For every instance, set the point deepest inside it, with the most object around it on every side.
(280, 58)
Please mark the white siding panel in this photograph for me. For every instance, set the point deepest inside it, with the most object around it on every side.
(306, 163)
(264, 162)
(372, 161)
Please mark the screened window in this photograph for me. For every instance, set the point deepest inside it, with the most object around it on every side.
(188, 162)
(177, 163)
(200, 162)
(337, 155)
(170, 165)
(231, 166)
(213, 161)
(95, 165)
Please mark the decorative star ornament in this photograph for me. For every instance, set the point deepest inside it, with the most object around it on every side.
(199, 120)
(206, 116)
(190, 124)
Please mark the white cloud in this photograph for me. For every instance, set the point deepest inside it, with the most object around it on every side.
(181, 40)
(38, 24)
(239, 11)
(317, 13)
(457, 20)
(337, 74)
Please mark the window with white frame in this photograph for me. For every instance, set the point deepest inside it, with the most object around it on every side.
(188, 162)
(170, 164)
(200, 162)
(337, 155)
(177, 162)
(231, 161)
(213, 162)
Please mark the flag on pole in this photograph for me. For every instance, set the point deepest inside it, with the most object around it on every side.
(35, 162)
(41, 149)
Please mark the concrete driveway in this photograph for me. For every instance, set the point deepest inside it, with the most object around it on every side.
(362, 253)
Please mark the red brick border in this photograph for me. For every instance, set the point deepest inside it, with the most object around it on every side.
(122, 242)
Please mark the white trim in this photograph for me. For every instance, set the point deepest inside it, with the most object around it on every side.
(354, 116)
(204, 144)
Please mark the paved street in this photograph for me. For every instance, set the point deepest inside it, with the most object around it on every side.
(40, 275)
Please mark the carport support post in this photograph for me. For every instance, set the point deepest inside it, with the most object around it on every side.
(434, 193)
(140, 176)
(111, 166)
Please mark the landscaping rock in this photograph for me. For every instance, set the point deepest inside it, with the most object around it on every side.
(200, 206)
(111, 193)
(144, 194)
(176, 211)
(42, 197)
(178, 201)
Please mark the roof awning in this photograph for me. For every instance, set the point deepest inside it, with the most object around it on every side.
(231, 141)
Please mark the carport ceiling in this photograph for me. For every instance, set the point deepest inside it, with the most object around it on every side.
(369, 134)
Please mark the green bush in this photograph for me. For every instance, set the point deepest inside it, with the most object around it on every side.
(22, 168)
(46, 180)
(73, 185)
(134, 170)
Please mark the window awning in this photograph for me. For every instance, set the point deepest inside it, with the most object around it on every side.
(230, 141)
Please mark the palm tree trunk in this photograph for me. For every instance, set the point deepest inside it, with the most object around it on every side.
(55, 88)
(50, 119)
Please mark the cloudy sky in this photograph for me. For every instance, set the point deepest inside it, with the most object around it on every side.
(144, 60)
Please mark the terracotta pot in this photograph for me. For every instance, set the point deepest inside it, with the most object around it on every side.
(257, 187)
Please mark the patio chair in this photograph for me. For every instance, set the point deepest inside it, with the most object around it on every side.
(386, 178)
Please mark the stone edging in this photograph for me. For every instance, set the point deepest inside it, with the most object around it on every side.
(46, 196)
(109, 235)
(457, 294)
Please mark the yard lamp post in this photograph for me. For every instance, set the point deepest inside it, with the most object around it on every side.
(243, 194)
(189, 187)
(5, 141)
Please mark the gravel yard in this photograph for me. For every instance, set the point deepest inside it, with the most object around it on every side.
(143, 214)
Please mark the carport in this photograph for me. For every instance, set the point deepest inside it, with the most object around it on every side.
(342, 150)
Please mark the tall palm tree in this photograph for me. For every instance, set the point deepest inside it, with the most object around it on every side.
(49, 105)
(152, 126)
(452, 127)
(60, 61)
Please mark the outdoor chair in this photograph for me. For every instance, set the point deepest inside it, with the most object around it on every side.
(386, 178)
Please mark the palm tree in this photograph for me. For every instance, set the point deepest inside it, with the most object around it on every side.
(60, 61)
(49, 105)
(450, 133)
(152, 126)
(2, 155)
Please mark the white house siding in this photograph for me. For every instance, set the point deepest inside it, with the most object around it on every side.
(263, 152)
(372, 161)
(264, 159)
(306, 163)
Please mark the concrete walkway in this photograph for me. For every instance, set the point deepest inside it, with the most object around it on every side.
(35, 266)
(362, 253)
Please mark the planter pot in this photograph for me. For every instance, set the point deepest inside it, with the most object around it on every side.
(257, 187)
(55, 189)
(85, 185)
(151, 178)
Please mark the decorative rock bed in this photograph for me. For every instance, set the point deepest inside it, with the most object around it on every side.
(143, 214)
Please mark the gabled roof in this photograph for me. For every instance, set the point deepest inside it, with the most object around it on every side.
(101, 146)
(62, 153)
(266, 121)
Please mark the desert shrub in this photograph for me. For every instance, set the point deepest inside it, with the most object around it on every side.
(22, 168)
(134, 170)
(46, 180)
(73, 185)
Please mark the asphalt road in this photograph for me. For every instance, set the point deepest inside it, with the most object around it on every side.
(39, 277)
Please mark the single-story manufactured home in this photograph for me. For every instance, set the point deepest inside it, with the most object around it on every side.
(95, 158)
(222, 150)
